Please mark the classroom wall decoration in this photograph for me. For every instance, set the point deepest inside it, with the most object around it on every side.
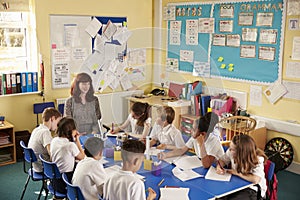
(237, 40)
(92, 44)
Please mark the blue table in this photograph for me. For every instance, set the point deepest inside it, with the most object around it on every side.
(200, 188)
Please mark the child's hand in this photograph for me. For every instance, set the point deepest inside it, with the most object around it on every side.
(161, 156)
(152, 194)
(161, 146)
(200, 139)
(220, 169)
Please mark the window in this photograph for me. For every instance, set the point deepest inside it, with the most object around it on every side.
(18, 44)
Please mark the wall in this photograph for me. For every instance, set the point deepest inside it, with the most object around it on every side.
(18, 109)
(284, 109)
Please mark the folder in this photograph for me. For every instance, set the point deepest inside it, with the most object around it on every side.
(197, 88)
(205, 103)
(24, 81)
(13, 83)
(18, 83)
(29, 81)
(34, 82)
(175, 89)
(8, 84)
(3, 83)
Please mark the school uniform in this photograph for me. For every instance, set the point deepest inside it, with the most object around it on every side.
(63, 153)
(212, 144)
(89, 175)
(135, 129)
(169, 135)
(258, 171)
(124, 185)
(39, 139)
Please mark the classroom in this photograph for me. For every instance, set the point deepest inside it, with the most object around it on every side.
(261, 65)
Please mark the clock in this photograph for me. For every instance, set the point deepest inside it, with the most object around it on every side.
(279, 151)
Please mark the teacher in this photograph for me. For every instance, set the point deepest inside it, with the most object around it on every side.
(83, 106)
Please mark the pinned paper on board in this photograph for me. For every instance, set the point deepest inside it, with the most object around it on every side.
(93, 27)
(109, 30)
(275, 91)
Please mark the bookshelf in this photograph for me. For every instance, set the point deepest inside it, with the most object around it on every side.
(7, 150)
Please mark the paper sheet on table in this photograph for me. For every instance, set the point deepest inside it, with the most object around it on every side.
(174, 193)
(173, 159)
(153, 151)
(213, 175)
(110, 171)
(188, 162)
(185, 175)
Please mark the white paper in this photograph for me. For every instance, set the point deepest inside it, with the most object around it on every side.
(186, 56)
(169, 13)
(71, 33)
(293, 69)
(293, 7)
(79, 54)
(233, 40)
(99, 43)
(188, 162)
(191, 32)
(172, 64)
(246, 19)
(122, 35)
(174, 193)
(93, 27)
(125, 82)
(266, 53)
(293, 90)
(175, 32)
(173, 159)
(268, 36)
(109, 30)
(296, 49)
(264, 19)
(255, 95)
(294, 24)
(185, 175)
(94, 62)
(213, 175)
(249, 34)
(206, 25)
(247, 51)
(226, 25)
(227, 11)
(275, 91)
(219, 39)
(137, 73)
(137, 57)
(153, 151)
(201, 69)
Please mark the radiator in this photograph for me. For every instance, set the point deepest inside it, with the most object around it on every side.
(114, 106)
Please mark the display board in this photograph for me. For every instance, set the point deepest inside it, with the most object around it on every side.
(239, 40)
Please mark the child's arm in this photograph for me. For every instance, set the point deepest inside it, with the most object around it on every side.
(122, 127)
(248, 177)
(207, 160)
(175, 152)
(152, 194)
(81, 155)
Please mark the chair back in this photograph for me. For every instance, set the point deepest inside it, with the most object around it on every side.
(73, 192)
(236, 125)
(29, 155)
(51, 170)
(269, 169)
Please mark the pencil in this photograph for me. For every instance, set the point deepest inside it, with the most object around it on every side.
(161, 182)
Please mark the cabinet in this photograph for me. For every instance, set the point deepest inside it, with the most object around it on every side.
(7, 145)
(186, 124)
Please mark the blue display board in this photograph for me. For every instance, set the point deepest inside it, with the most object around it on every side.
(255, 56)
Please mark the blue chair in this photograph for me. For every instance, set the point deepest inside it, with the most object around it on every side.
(30, 157)
(51, 171)
(73, 192)
(39, 108)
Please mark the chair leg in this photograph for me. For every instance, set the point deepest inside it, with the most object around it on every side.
(41, 190)
(25, 186)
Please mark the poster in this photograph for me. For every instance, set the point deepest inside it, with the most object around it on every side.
(219, 39)
(247, 51)
(249, 34)
(268, 36)
(191, 32)
(233, 40)
(175, 32)
(246, 19)
(266, 53)
(264, 19)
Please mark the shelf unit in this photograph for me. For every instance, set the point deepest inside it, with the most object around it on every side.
(9, 148)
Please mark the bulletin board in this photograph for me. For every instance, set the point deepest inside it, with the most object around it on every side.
(240, 40)
(72, 46)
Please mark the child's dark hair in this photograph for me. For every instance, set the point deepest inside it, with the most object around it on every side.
(65, 127)
(168, 114)
(208, 122)
(142, 110)
(75, 91)
(134, 146)
(50, 112)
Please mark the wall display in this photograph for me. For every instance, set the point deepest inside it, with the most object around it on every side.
(239, 30)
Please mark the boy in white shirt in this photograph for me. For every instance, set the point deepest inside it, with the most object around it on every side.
(89, 174)
(164, 131)
(125, 184)
(207, 145)
(41, 137)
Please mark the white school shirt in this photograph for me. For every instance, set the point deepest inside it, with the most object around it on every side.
(134, 128)
(212, 144)
(167, 135)
(88, 175)
(39, 139)
(258, 170)
(124, 185)
(63, 153)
